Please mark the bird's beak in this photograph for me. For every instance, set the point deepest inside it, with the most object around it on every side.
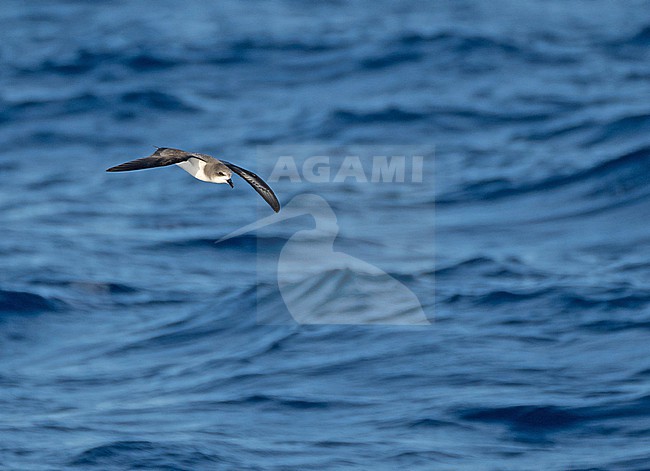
(229, 182)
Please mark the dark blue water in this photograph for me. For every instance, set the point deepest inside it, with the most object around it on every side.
(129, 340)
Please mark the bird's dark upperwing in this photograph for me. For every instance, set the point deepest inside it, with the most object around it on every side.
(257, 183)
(161, 158)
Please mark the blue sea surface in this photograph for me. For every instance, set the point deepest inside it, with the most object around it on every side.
(130, 340)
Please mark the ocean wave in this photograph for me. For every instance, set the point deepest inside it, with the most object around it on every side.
(528, 418)
(501, 297)
(23, 302)
(246, 242)
(181, 331)
(285, 45)
(390, 114)
(29, 108)
(146, 61)
(442, 117)
(140, 60)
(642, 37)
(455, 44)
(94, 287)
(458, 42)
(155, 100)
(631, 44)
(611, 326)
(554, 131)
(430, 423)
(283, 402)
(84, 61)
(537, 417)
(390, 59)
(621, 128)
(128, 101)
(626, 171)
(81, 62)
(147, 454)
(560, 298)
(489, 267)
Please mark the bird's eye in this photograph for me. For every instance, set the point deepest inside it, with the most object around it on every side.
(221, 174)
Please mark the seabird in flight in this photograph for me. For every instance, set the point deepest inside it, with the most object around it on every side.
(203, 167)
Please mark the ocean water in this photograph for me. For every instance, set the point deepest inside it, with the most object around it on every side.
(130, 340)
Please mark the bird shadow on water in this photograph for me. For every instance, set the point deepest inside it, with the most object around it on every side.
(319, 285)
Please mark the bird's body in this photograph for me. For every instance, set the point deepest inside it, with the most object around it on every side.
(207, 169)
(202, 167)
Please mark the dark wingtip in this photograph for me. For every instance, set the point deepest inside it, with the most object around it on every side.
(272, 200)
(117, 168)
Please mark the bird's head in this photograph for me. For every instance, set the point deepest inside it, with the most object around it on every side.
(223, 175)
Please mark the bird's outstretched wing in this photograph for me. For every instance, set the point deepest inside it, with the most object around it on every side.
(257, 183)
(161, 158)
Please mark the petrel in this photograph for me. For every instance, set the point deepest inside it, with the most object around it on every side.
(203, 167)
